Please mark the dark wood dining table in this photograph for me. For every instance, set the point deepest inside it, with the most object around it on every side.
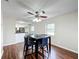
(37, 38)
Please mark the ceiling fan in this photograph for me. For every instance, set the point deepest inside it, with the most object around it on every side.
(38, 15)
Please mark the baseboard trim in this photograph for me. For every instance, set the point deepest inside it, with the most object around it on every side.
(2, 53)
(12, 43)
(59, 46)
(70, 52)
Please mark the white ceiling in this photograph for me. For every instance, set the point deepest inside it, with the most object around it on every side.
(19, 8)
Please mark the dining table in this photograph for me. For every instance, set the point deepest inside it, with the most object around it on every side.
(36, 38)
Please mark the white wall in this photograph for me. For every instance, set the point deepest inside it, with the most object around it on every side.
(66, 34)
(8, 31)
(39, 27)
(1, 29)
(1, 37)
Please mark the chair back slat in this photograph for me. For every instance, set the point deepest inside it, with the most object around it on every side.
(43, 41)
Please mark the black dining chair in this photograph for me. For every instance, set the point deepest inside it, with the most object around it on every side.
(43, 43)
(28, 43)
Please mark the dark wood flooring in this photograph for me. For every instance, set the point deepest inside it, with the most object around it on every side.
(16, 52)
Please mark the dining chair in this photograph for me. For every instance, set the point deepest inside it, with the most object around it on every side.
(28, 43)
(43, 43)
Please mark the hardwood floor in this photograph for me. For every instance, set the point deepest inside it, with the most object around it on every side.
(16, 52)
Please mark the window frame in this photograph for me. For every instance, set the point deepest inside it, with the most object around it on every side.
(46, 29)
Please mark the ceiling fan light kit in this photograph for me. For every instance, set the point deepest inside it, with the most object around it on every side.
(37, 20)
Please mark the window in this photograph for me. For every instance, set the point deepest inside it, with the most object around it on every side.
(32, 28)
(50, 29)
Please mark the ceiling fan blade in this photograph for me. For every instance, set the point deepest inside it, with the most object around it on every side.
(22, 4)
(30, 13)
(43, 16)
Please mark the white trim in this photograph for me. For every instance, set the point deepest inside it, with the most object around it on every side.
(12, 43)
(2, 53)
(65, 48)
(9, 44)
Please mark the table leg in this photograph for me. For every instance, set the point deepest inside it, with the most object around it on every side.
(36, 50)
(49, 44)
